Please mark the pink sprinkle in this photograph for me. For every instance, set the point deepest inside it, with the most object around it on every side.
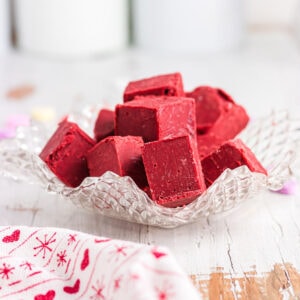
(7, 133)
(11, 124)
(289, 188)
(14, 121)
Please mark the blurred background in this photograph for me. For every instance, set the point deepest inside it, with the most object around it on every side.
(78, 28)
(78, 52)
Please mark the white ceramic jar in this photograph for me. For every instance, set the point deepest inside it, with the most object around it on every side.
(297, 22)
(71, 28)
(188, 26)
(4, 26)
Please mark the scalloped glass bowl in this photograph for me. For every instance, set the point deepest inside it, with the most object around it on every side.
(274, 140)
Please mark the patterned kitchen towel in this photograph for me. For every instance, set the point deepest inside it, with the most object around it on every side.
(52, 263)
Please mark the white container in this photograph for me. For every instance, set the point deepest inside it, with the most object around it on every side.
(4, 26)
(270, 13)
(297, 22)
(71, 28)
(188, 26)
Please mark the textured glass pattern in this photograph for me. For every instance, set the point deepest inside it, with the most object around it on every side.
(274, 140)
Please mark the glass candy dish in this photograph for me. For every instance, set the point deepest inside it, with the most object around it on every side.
(274, 140)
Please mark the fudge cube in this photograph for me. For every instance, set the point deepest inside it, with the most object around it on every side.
(230, 155)
(230, 123)
(218, 118)
(208, 107)
(173, 171)
(156, 118)
(105, 124)
(161, 85)
(227, 127)
(65, 153)
(217, 113)
(207, 143)
(121, 155)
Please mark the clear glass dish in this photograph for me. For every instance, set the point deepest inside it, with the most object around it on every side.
(274, 139)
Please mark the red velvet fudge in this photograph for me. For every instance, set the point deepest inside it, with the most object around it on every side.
(218, 118)
(207, 143)
(65, 153)
(173, 171)
(232, 122)
(213, 106)
(121, 155)
(208, 107)
(105, 124)
(156, 118)
(230, 155)
(161, 85)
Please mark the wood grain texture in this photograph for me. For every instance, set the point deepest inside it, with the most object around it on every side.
(282, 282)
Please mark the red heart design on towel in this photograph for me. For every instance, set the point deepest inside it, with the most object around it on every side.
(14, 237)
(49, 296)
(158, 254)
(73, 289)
(86, 260)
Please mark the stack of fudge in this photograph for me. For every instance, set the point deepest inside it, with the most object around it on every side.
(173, 144)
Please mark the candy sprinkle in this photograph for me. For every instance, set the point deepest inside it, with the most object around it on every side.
(7, 133)
(43, 114)
(20, 92)
(16, 120)
(289, 188)
(11, 124)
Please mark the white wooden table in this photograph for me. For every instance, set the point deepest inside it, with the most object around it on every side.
(250, 253)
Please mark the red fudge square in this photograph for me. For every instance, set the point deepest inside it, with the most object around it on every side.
(214, 107)
(231, 123)
(208, 107)
(227, 127)
(105, 124)
(218, 118)
(207, 143)
(161, 85)
(173, 171)
(156, 118)
(65, 153)
(230, 155)
(121, 155)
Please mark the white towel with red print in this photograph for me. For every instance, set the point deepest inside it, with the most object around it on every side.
(51, 263)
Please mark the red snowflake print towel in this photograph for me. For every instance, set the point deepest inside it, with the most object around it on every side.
(50, 264)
